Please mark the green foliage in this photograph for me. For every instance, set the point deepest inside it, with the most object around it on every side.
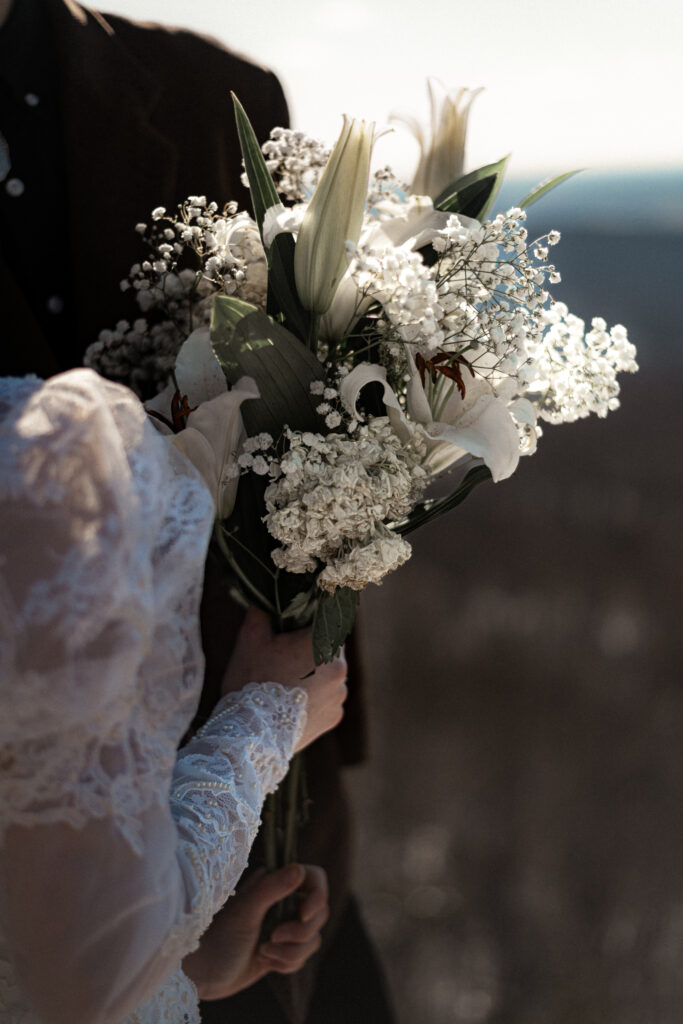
(473, 194)
(283, 298)
(248, 343)
(546, 186)
(426, 511)
(334, 619)
(261, 187)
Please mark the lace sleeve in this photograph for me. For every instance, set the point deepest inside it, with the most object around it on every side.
(219, 783)
(90, 525)
(238, 757)
(106, 881)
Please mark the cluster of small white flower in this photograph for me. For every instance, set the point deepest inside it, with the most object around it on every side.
(137, 355)
(482, 297)
(384, 187)
(491, 284)
(331, 408)
(229, 256)
(576, 373)
(333, 497)
(225, 248)
(252, 456)
(296, 161)
(366, 563)
(407, 291)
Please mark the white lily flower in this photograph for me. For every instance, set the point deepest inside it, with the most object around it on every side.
(442, 150)
(479, 424)
(199, 376)
(212, 438)
(197, 369)
(214, 430)
(334, 217)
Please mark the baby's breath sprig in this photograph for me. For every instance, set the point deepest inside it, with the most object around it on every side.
(193, 255)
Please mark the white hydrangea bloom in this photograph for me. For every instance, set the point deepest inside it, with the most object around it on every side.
(336, 493)
(366, 563)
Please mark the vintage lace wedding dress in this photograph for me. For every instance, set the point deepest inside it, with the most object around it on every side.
(130, 848)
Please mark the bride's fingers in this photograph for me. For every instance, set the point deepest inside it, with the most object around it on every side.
(300, 931)
(287, 957)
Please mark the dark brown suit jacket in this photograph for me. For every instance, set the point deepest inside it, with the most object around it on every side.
(148, 121)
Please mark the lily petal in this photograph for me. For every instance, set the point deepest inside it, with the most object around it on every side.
(333, 217)
(197, 369)
(480, 425)
(211, 439)
(280, 220)
(486, 431)
(161, 403)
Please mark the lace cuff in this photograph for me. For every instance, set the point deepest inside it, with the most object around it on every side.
(219, 783)
(177, 1001)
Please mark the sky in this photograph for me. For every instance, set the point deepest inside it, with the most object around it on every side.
(587, 83)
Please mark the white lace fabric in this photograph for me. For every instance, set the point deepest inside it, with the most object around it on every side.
(114, 853)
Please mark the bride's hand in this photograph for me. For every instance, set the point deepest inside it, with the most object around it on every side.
(262, 656)
(231, 955)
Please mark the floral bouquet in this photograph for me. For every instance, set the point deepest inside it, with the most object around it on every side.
(326, 358)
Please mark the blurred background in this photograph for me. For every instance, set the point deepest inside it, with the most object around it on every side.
(520, 851)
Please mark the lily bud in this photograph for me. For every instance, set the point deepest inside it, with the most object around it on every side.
(333, 217)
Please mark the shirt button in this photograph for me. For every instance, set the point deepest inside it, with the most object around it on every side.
(55, 304)
(31, 100)
(14, 188)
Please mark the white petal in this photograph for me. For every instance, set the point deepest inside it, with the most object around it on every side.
(371, 373)
(487, 431)
(417, 401)
(345, 310)
(281, 219)
(219, 424)
(161, 403)
(524, 411)
(198, 450)
(418, 227)
(197, 369)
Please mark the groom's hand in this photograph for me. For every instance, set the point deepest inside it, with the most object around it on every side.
(231, 955)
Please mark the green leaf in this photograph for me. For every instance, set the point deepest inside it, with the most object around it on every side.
(426, 511)
(283, 297)
(229, 311)
(546, 186)
(251, 344)
(301, 608)
(334, 619)
(473, 194)
(263, 194)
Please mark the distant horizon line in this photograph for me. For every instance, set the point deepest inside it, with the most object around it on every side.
(603, 170)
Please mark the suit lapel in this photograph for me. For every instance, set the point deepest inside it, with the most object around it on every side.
(117, 162)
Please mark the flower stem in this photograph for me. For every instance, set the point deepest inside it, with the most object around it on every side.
(289, 852)
(270, 831)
